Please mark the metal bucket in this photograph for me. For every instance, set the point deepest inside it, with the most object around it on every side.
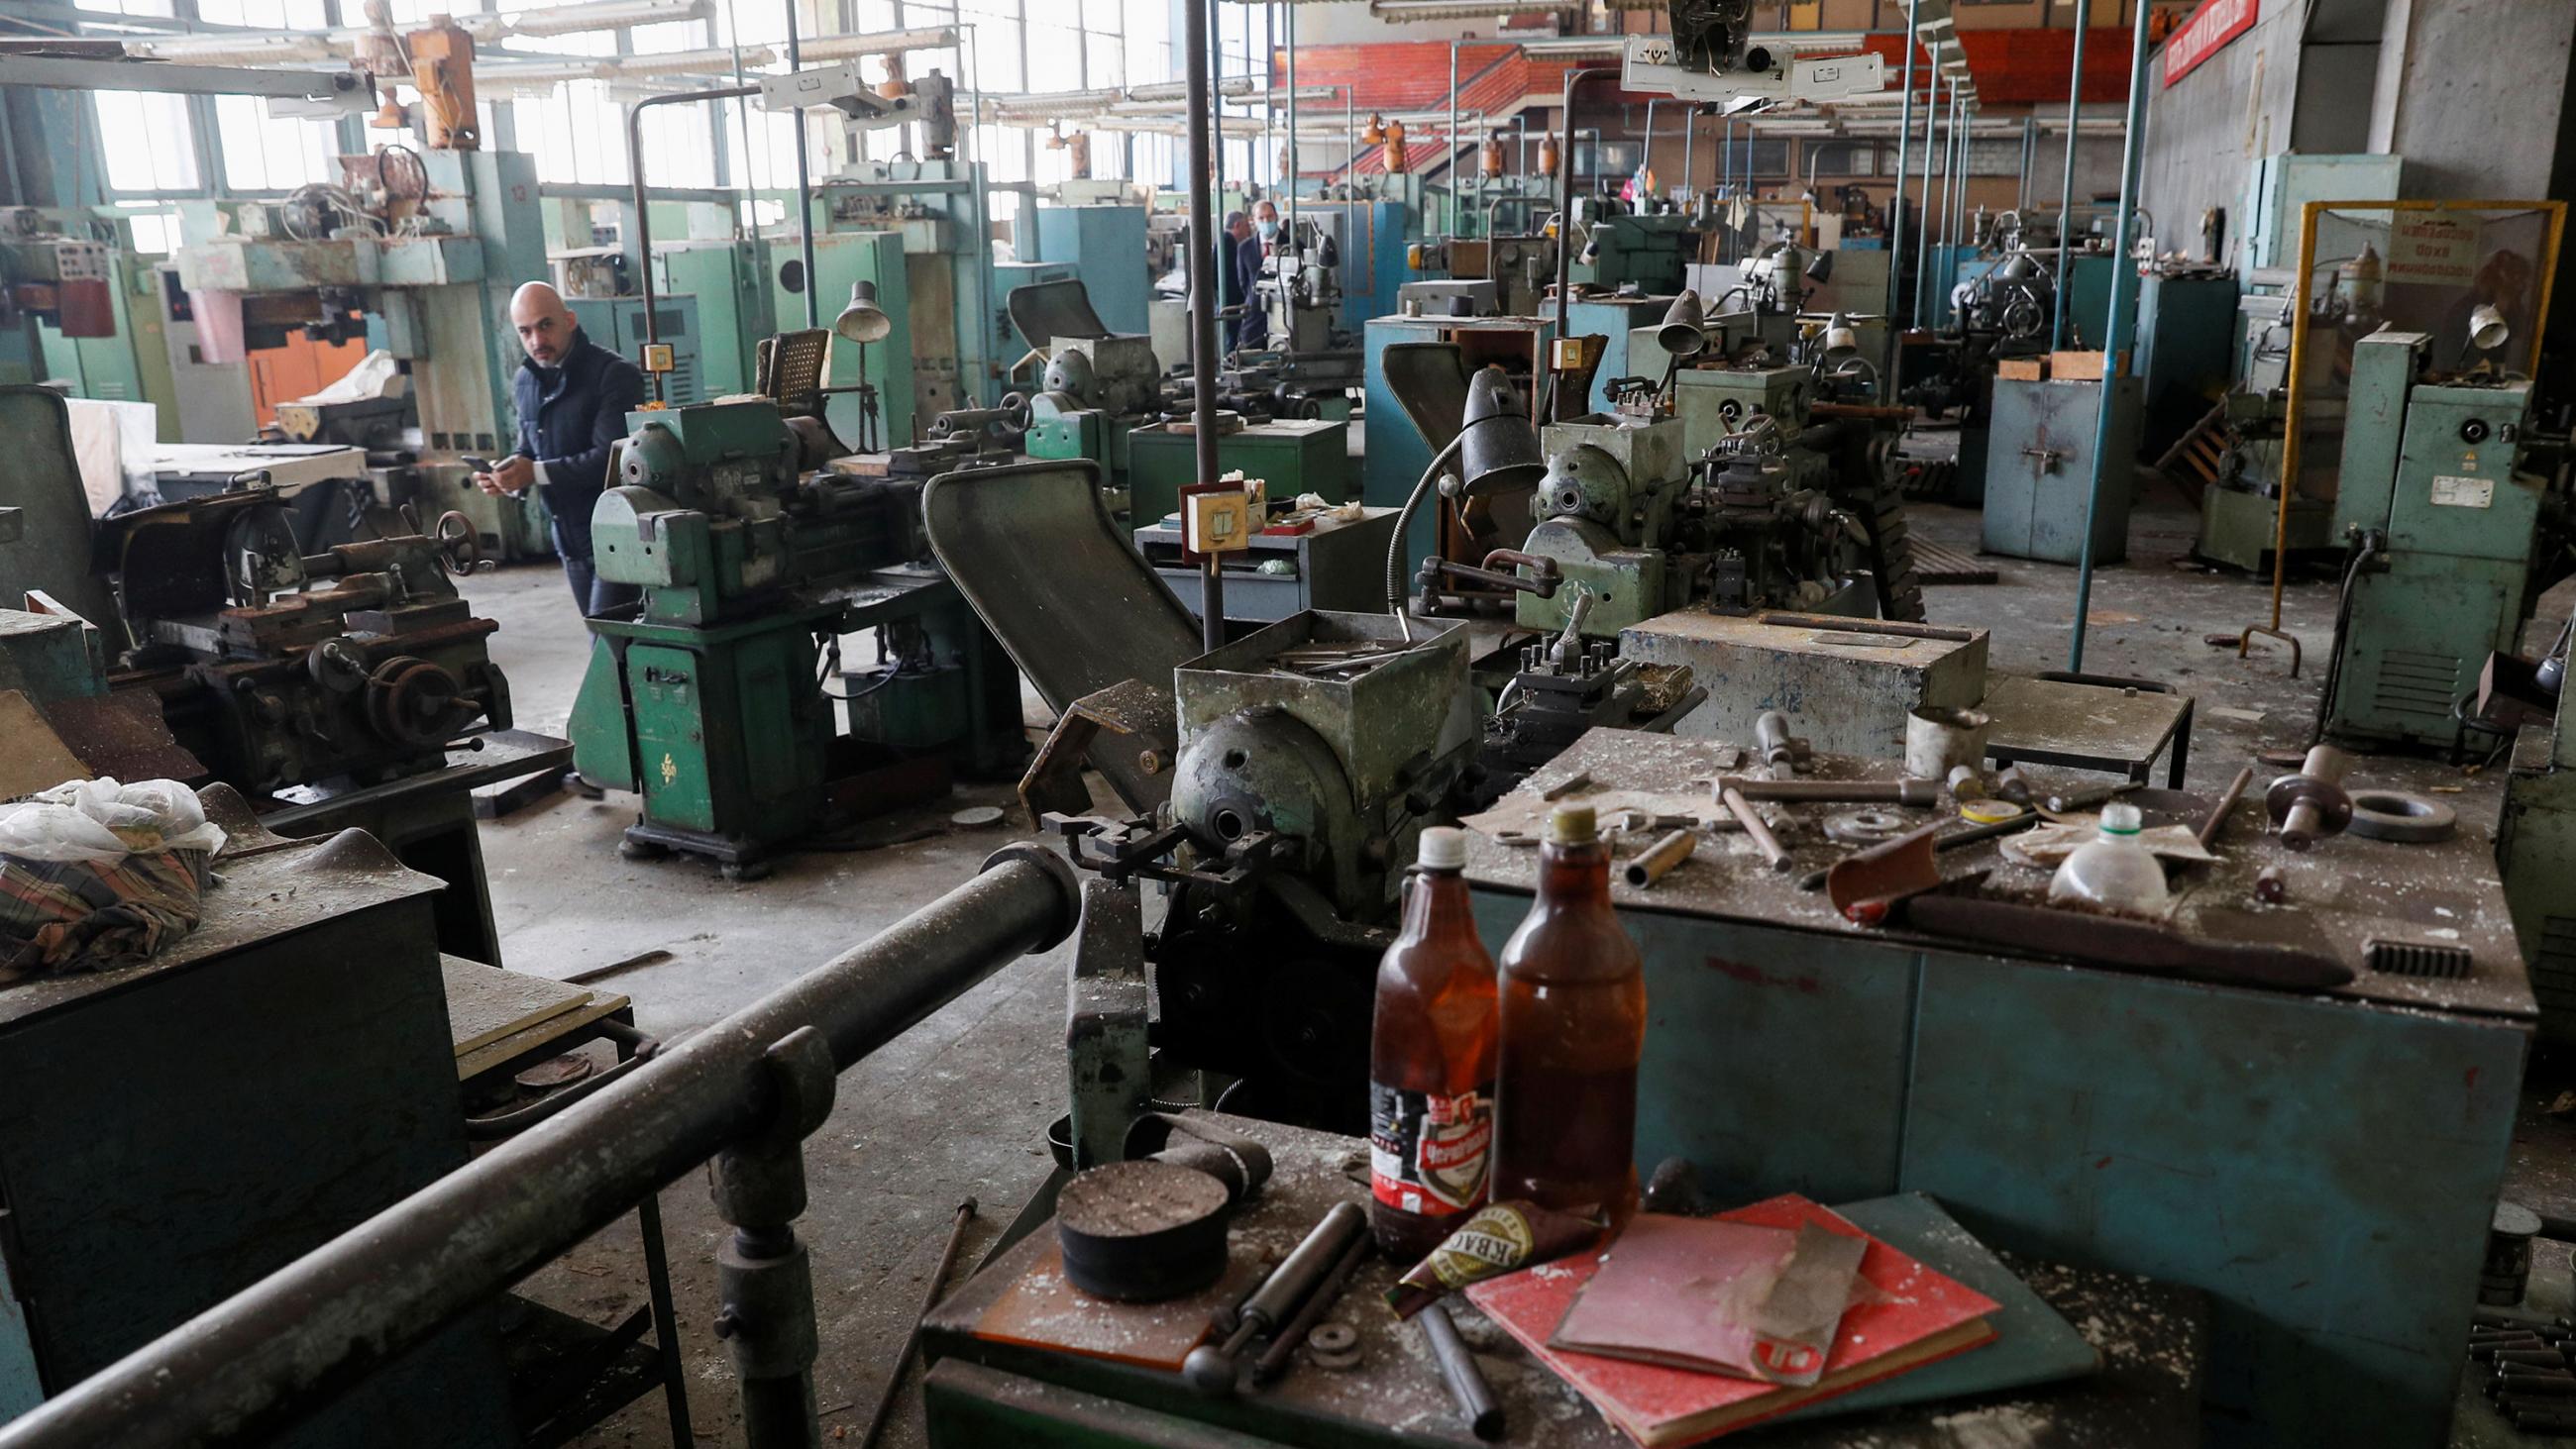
(1936, 740)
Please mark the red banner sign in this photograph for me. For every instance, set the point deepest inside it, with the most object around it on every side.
(2206, 33)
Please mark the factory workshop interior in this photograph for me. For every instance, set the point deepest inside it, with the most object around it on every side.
(1287, 724)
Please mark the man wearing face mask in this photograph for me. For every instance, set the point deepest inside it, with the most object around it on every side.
(1254, 330)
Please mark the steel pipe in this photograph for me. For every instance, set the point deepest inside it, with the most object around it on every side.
(1203, 288)
(2117, 329)
(1896, 203)
(1574, 77)
(2066, 188)
(253, 1365)
(643, 213)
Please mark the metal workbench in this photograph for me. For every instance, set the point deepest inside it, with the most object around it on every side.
(984, 1391)
(2324, 1165)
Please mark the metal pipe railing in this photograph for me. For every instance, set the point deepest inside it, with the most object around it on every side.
(253, 1365)
(643, 211)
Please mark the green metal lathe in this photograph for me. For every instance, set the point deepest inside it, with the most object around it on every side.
(720, 700)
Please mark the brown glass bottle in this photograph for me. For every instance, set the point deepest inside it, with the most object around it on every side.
(1573, 1026)
(1431, 1063)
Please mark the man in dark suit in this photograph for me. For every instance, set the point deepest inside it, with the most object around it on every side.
(572, 397)
(1250, 251)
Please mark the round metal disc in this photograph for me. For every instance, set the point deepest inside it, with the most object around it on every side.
(977, 817)
(2397, 815)
(1866, 827)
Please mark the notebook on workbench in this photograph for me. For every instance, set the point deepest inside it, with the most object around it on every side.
(1910, 1315)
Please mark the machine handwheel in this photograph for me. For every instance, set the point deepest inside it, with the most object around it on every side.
(414, 702)
(460, 547)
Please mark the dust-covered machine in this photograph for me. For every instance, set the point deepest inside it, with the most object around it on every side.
(1099, 385)
(721, 699)
(276, 668)
(1733, 487)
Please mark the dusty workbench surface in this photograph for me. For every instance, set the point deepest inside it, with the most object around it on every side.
(2339, 896)
(2148, 1393)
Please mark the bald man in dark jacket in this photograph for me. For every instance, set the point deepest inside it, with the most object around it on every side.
(572, 397)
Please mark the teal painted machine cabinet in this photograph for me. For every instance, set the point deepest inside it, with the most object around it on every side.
(2187, 332)
(1106, 245)
(840, 259)
(1650, 251)
(180, 1129)
(2039, 469)
(617, 323)
(2323, 1166)
(2536, 850)
(2429, 487)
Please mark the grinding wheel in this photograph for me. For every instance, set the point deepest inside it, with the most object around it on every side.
(2397, 815)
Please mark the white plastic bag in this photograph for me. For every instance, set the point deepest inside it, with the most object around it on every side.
(102, 822)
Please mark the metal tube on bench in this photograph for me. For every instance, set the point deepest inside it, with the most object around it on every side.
(254, 1364)
(1906, 791)
(1756, 829)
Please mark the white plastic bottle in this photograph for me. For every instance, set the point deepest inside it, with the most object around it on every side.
(2113, 870)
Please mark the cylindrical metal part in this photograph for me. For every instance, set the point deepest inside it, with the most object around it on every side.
(1305, 1266)
(1908, 791)
(1284, 1342)
(1940, 739)
(1476, 1402)
(1658, 859)
(1771, 734)
(2506, 1274)
(1756, 829)
(2269, 887)
(250, 1366)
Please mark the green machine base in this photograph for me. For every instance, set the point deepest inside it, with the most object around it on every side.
(2237, 528)
(1292, 455)
(741, 754)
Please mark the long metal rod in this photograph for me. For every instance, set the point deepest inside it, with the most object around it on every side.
(644, 215)
(1896, 298)
(1203, 284)
(1690, 149)
(1574, 76)
(255, 1364)
(2066, 189)
(804, 190)
(2117, 328)
(1923, 243)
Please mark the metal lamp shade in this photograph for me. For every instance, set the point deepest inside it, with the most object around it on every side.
(863, 320)
(1498, 449)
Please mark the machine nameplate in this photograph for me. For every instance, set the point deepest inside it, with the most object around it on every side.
(2451, 492)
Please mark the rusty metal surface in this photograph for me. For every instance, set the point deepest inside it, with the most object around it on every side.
(2342, 895)
(123, 736)
(2081, 719)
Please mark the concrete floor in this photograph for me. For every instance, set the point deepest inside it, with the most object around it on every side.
(958, 1108)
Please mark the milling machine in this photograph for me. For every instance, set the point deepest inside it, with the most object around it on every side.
(757, 549)
(1306, 363)
(430, 246)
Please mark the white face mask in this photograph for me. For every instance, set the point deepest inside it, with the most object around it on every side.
(1268, 229)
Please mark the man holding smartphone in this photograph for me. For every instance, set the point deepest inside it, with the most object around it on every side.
(572, 397)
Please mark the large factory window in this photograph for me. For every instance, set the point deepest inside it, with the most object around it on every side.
(266, 153)
(145, 138)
